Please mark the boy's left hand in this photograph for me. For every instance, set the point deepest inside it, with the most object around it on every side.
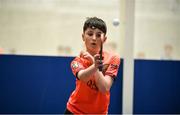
(97, 61)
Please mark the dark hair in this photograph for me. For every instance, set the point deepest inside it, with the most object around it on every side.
(94, 22)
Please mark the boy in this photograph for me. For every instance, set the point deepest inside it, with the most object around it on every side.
(92, 92)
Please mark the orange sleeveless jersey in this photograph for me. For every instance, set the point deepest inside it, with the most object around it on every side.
(86, 98)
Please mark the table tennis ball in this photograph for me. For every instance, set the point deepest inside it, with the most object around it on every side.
(115, 21)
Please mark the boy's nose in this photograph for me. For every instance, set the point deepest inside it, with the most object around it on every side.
(94, 37)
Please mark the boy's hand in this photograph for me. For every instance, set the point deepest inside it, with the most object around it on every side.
(87, 56)
(97, 61)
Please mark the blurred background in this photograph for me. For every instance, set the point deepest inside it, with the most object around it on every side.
(54, 27)
(51, 30)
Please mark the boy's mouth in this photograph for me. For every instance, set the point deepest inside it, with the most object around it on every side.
(93, 44)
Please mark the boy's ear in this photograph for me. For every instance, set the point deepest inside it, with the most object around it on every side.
(83, 37)
(105, 37)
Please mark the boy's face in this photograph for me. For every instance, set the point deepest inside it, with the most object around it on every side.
(93, 38)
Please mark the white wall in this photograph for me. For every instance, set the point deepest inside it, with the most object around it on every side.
(157, 24)
(39, 27)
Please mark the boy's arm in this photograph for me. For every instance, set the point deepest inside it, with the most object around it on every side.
(103, 83)
(86, 74)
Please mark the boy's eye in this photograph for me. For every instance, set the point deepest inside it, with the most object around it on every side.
(98, 35)
(90, 34)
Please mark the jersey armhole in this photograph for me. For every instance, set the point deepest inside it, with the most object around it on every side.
(113, 77)
(77, 75)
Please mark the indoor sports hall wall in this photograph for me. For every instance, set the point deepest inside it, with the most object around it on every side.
(42, 84)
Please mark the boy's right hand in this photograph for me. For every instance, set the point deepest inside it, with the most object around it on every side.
(96, 59)
(87, 56)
